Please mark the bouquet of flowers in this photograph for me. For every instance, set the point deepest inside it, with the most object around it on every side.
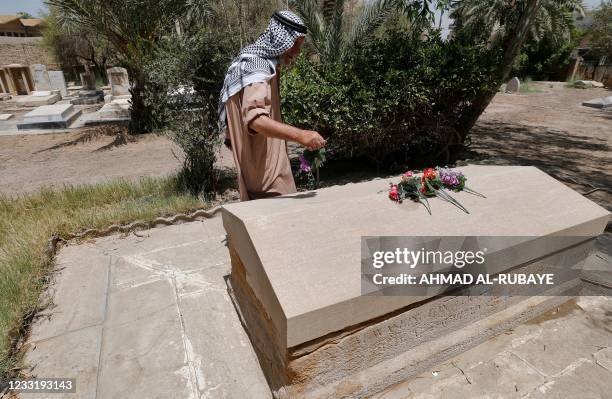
(432, 183)
(310, 162)
(409, 187)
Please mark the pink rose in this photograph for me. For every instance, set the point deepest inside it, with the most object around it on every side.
(393, 193)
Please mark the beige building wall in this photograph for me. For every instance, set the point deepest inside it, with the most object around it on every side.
(25, 51)
(17, 54)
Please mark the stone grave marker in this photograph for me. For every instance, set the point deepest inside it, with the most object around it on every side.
(5, 117)
(88, 94)
(57, 82)
(513, 85)
(119, 81)
(41, 77)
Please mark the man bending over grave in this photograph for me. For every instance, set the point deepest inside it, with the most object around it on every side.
(249, 111)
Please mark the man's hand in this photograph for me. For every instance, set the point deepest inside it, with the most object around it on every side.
(271, 128)
(312, 140)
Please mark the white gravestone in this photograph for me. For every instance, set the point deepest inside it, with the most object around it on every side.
(58, 82)
(41, 78)
(119, 81)
(513, 85)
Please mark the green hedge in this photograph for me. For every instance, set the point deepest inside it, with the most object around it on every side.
(397, 97)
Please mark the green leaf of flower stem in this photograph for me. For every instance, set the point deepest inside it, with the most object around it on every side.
(423, 200)
(445, 196)
(469, 190)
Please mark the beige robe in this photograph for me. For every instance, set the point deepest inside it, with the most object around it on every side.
(262, 163)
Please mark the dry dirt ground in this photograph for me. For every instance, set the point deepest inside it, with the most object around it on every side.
(28, 162)
(549, 129)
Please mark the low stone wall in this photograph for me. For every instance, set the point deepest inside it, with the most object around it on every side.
(25, 51)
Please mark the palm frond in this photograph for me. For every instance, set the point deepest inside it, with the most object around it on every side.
(313, 19)
(334, 35)
(372, 16)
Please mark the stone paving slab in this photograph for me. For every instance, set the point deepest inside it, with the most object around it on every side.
(74, 354)
(160, 324)
(79, 294)
(558, 355)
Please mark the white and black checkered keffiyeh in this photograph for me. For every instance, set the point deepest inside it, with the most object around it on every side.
(257, 62)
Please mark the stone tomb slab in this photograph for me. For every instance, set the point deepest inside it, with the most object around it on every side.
(38, 99)
(604, 102)
(5, 117)
(58, 116)
(296, 270)
(88, 97)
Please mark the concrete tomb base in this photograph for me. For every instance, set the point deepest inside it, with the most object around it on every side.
(73, 90)
(58, 116)
(38, 98)
(88, 97)
(296, 277)
(115, 111)
(122, 99)
(5, 117)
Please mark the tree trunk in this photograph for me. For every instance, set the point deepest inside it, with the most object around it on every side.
(511, 47)
(141, 118)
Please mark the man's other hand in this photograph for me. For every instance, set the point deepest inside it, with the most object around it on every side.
(312, 140)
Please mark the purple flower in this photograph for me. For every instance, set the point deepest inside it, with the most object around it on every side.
(304, 165)
(449, 177)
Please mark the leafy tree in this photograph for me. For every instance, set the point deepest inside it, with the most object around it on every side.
(132, 27)
(601, 31)
(243, 19)
(503, 26)
(70, 48)
(25, 15)
(185, 74)
(490, 20)
(548, 57)
(185, 77)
